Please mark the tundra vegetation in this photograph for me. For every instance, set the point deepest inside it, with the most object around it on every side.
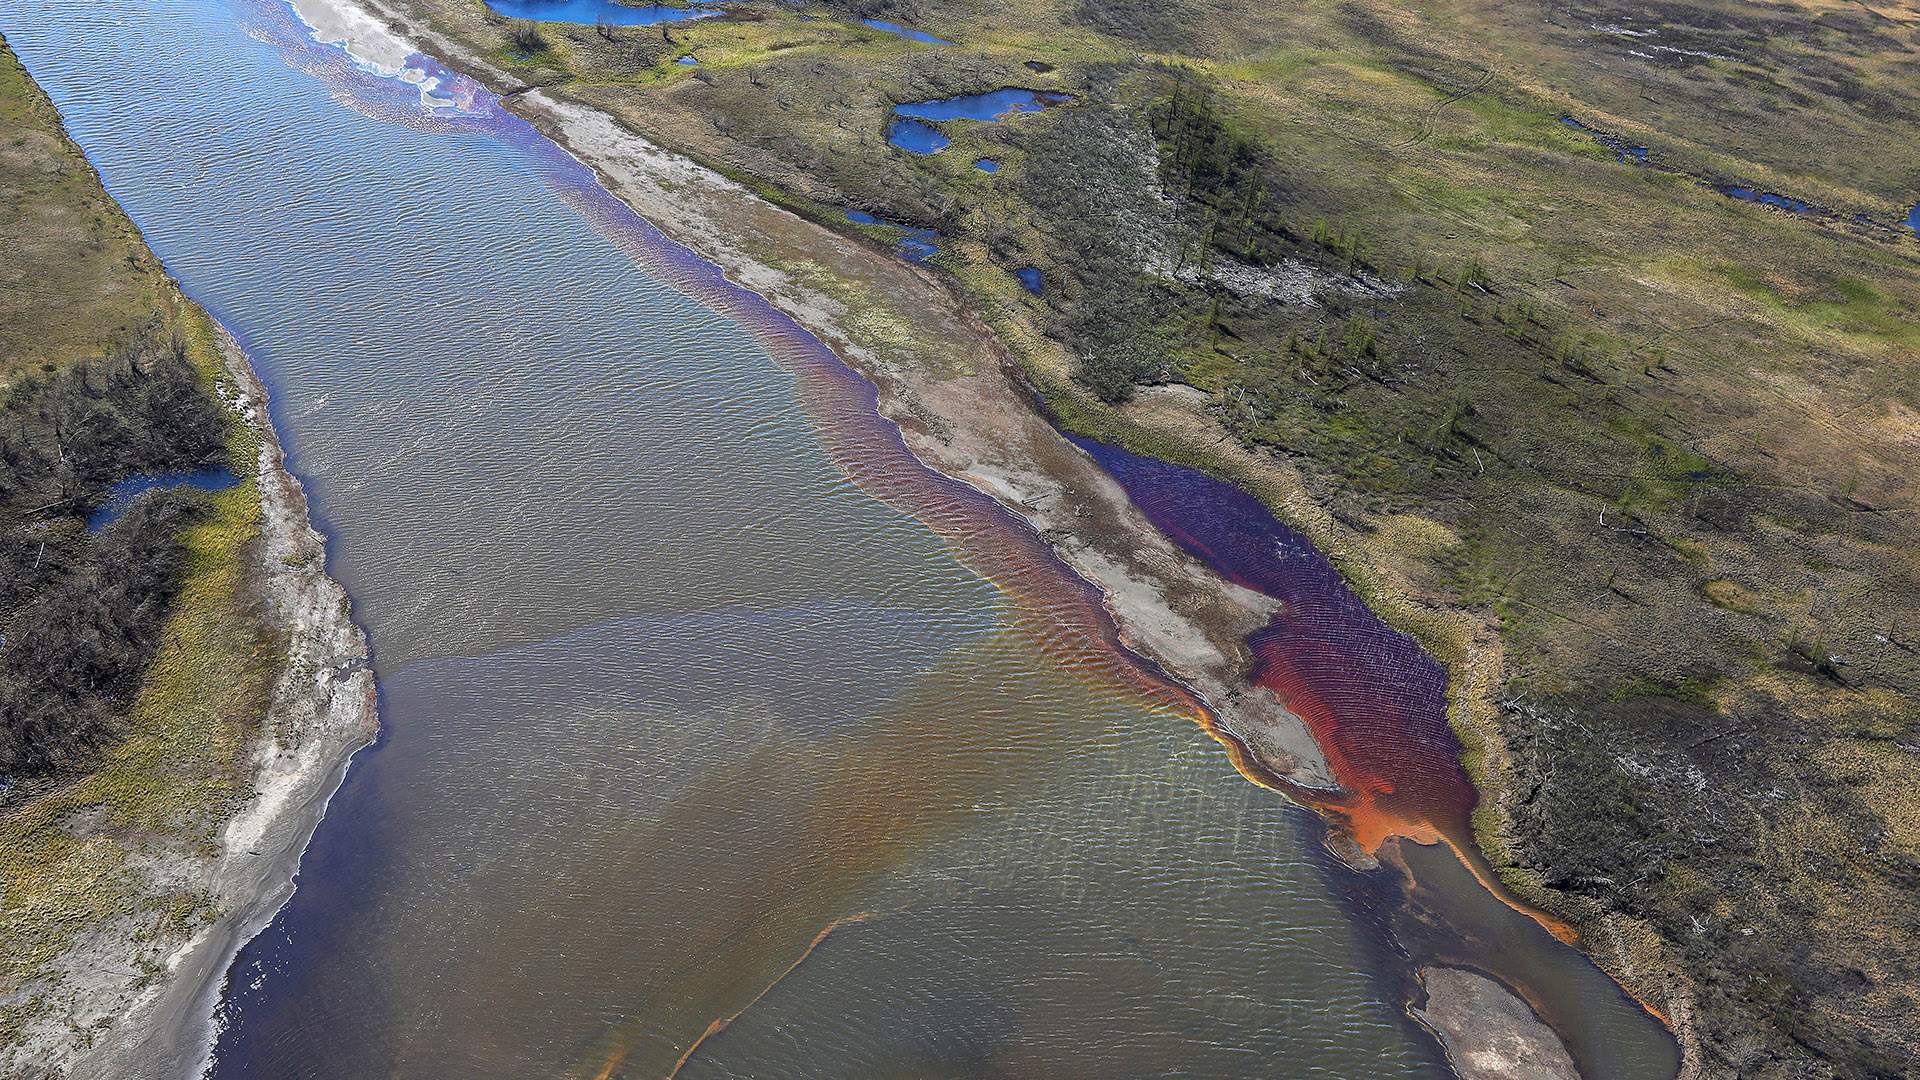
(1654, 446)
(136, 660)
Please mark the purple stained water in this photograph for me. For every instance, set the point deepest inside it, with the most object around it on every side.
(1376, 702)
(424, 936)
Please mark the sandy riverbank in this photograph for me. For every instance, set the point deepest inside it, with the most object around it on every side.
(965, 413)
(963, 407)
(322, 711)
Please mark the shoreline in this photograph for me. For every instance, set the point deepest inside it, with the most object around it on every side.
(323, 711)
(1171, 609)
(970, 422)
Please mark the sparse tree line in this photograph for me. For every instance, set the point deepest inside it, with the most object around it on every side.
(82, 613)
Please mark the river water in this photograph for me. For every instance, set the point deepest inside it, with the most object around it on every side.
(688, 671)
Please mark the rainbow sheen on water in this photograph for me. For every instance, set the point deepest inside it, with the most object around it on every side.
(666, 691)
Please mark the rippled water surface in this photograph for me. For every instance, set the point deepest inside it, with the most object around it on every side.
(667, 694)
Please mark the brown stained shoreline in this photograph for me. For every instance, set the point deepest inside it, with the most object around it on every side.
(1057, 495)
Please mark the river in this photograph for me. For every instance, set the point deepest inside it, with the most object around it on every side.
(671, 701)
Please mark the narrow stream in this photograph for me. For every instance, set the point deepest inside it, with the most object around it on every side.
(670, 700)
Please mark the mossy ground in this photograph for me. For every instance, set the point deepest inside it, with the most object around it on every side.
(1634, 458)
(75, 852)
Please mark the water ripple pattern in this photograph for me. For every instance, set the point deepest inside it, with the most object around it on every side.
(1376, 702)
(684, 658)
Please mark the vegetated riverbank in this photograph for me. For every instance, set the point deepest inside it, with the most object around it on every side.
(149, 846)
(1641, 452)
(958, 394)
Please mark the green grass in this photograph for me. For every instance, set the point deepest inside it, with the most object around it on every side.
(1827, 305)
(77, 278)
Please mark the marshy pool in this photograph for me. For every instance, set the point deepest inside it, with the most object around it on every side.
(120, 496)
(912, 243)
(1768, 198)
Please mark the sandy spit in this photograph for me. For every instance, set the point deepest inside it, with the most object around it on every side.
(1488, 1032)
(323, 710)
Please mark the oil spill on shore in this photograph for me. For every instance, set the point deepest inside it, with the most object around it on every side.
(1376, 704)
(684, 654)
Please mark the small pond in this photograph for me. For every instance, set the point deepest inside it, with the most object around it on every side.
(121, 495)
(1031, 279)
(1783, 202)
(916, 136)
(1913, 218)
(907, 32)
(688, 59)
(1626, 152)
(993, 105)
(591, 12)
(987, 164)
(915, 244)
(911, 130)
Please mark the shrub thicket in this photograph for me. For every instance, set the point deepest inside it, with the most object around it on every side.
(82, 613)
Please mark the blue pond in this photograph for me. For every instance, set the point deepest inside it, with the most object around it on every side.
(907, 32)
(989, 106)
(687, 59)
(920, 138)
(987, 164)
(1031, 280)
(591, 12)
(913, 133)
(918, 245)
(121, 495)
(915, 245)
(1913, 218)
(1769, 198)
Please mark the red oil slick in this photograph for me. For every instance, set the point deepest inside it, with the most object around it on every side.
(1375, 702)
